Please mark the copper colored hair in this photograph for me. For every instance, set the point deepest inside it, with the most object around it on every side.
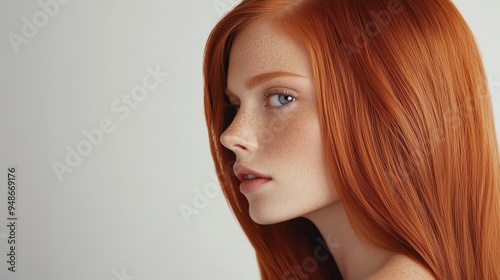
(407, 128)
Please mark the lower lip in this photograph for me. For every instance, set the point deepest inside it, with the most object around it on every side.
(252, 185)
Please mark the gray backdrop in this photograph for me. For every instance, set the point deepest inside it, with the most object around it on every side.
(102, 119)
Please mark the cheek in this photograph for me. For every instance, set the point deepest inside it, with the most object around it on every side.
(294, 137)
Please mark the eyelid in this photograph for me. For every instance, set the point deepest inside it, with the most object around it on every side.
(272, 92)
(266, 95)
(229, 102)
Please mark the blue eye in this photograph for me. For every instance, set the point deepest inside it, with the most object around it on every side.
(280, 99)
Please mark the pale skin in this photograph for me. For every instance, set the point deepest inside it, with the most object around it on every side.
(276, 132)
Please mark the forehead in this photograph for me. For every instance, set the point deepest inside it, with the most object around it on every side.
(260, 48)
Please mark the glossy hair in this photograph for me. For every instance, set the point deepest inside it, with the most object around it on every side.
(407, 128)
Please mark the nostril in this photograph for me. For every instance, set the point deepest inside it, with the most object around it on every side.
(240, 146)
(238, 137)
(232, 141)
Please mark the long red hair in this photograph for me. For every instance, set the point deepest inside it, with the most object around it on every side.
(407, 127)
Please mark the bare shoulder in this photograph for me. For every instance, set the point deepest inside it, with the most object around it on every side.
(400, 267)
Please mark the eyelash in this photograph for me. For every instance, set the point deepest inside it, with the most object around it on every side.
(265, 96)
(268, 94)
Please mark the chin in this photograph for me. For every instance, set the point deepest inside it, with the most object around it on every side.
(265, 220)
(268, 217)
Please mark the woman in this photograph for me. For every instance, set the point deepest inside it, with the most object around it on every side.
(355, 139)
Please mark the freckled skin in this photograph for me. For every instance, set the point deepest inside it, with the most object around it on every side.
(285, 144)
(281, 142)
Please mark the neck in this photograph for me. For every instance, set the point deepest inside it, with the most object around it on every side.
(356, 260)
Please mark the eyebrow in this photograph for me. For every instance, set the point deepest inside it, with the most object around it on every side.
(264, 77)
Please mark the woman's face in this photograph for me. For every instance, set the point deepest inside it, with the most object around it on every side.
(275, 133)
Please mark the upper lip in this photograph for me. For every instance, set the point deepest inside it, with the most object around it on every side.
(240, 171)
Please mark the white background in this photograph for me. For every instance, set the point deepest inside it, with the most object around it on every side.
(116, 214)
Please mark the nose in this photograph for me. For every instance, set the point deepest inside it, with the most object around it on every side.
(241, 135)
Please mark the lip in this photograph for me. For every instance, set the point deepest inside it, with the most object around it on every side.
(250, 185)
(240, 171)
(253, 185)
